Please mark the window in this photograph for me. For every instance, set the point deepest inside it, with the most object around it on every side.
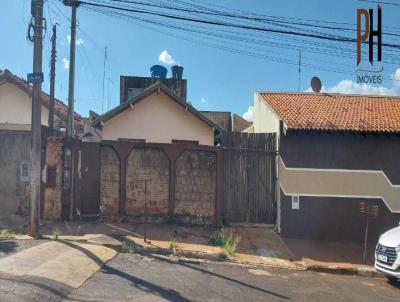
(184, 141)
(25, 171)
(295, 202)
(132, 140)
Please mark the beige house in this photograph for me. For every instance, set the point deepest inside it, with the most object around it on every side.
(15, 139)
(156, 115)
(16, 106)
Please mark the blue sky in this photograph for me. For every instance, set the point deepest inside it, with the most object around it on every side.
(217, 80)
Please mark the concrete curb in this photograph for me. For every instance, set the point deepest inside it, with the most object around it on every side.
(354, 271)
(125, 247)
(294, 265)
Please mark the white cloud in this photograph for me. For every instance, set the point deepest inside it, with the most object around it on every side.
(249, 114)
(79, 41)
(66, 63)
(352, 87)
(166, 58)
(203, 101)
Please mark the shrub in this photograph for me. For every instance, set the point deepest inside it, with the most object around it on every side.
(231, 245)
(56, 234)
(218, 238)
(228, 242)
(8, 234)
(172, 245)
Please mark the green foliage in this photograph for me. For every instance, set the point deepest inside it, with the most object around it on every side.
(56, 234)
(172, 244)
(127, 247)
(231, 245)
(228, 242)
(8, 234)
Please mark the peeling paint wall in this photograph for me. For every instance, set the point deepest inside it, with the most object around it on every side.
(14, 190)
(53, 186)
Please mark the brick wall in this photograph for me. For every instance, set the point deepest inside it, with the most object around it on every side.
(53, 186)
(109, 182)
(195, 188)
(151, 165)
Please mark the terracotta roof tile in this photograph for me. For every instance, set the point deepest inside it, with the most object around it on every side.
(59, 107)
(336, 112)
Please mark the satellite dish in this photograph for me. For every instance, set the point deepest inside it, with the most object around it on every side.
(316, 84)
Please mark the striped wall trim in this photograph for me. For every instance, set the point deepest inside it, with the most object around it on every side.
(339, 183)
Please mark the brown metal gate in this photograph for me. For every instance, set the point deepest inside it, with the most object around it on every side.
(249, 177)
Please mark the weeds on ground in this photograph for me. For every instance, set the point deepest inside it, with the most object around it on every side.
(56, 234)
(228, 243)
(8, 234)
(128, 248)
(172, 246)
(70, 231)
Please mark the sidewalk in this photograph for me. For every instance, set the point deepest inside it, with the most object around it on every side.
(67, 263)
(259, 245)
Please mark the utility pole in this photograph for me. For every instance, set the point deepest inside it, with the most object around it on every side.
(52, 79)
(70, 120)
(69, 161)
(36, 144)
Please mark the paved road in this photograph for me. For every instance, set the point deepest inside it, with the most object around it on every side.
(135, 278)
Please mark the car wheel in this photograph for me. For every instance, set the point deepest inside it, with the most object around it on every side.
(391, 279)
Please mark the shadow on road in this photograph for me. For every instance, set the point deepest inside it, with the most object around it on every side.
(57, 289)
(395, 284)
(143, 285)
(222, 276)
(7, 246)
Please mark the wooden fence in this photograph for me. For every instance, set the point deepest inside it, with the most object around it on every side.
(249, 177)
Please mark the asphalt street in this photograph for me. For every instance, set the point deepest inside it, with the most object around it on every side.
(130, 277)
(135, 278)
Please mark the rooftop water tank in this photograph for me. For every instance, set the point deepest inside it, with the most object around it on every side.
(158, 71)
(177, 72)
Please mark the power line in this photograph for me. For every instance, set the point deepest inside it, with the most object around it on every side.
(232, 25)
(380, 2)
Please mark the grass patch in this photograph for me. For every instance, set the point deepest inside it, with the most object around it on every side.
(227, 241)
(56, 234)
(9, 234)
(172, 245)
(127, 248)
(231, 245)
(218, 238)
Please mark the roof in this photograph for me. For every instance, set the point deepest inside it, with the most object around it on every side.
(336, 112)
(148, 91)
(60, 109)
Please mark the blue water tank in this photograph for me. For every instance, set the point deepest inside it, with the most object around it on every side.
(158, 71)
(177, 72)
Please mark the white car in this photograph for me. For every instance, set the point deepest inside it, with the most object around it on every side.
(387, 254)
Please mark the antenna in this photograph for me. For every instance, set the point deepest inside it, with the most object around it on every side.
(108, 92)
(104, 76)
(298, 88)
(316, 84)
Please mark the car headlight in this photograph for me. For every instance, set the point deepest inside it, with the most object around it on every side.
(398, 249)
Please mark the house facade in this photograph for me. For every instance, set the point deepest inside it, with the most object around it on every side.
(336, 154)
(15, 138)
(156, 115)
